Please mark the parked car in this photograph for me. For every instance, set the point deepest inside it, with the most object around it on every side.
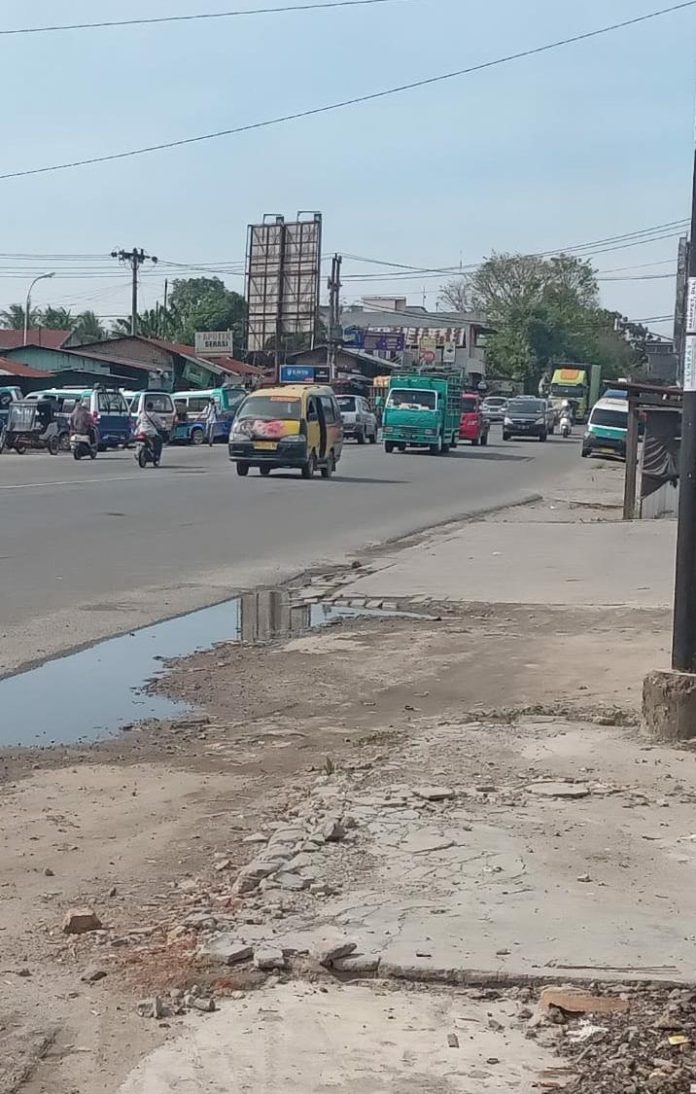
(607, 428)
(526, 416)
(473, 424)
(359, 420)
(494, 407)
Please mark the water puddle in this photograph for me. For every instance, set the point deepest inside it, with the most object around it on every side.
(95, 693)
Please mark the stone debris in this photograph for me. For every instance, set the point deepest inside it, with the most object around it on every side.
(452, 1040)
(152, 1008)
(333, 830)
(569, 790)
(578, 1001)
(294, 883)
(228, 949)
(81, 921)
(434, 793)
(92, 974)
(268, 958)
(327, 952)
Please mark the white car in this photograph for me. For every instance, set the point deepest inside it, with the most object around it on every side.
(359, 419)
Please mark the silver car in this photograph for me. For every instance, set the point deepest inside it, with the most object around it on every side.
(359, 419)
(494, 408)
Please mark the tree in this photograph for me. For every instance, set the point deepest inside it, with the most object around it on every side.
(455, 295)
(56, 318)
(204, 303)
(88, 328)
(546, 311)
(13, 317)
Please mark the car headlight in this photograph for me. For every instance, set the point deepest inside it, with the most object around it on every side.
(507, 421)
(234, 436)
(295, 438)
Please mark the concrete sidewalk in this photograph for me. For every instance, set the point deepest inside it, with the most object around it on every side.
(570, 549)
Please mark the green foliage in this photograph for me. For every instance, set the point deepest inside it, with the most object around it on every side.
(13, 317)
(195, 304)
(546, 311)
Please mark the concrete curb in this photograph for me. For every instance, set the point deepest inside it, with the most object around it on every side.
(451, 522)
(477, 978)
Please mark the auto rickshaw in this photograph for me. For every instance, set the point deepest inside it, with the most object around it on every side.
(30, 424)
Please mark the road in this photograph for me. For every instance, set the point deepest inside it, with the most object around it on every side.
(94, 549)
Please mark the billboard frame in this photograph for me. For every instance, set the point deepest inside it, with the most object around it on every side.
(283, 282)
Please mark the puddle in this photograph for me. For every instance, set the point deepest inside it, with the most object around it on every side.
(95, 693)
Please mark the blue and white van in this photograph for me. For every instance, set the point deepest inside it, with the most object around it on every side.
(106, 405)
(191, 407)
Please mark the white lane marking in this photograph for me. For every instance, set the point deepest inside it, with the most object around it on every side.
(64, 482)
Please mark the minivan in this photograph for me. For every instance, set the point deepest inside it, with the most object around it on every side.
(106, 405)
(606, 430)
(162, 405)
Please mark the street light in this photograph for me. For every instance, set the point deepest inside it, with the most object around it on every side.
(41, 277)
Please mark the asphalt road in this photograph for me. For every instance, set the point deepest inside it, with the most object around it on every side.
(91, 549)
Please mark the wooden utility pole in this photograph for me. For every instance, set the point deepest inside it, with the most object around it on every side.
(135, 259)
(334, 339)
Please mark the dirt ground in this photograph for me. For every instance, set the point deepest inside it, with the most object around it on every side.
(139, 826)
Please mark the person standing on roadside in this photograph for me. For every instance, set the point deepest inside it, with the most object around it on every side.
(211, 420)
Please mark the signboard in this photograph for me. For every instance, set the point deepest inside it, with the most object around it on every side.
(215, 341)
(376, 342)
(449, 353)
(304, 374)
(690, 355)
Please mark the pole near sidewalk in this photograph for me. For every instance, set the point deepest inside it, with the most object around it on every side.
(684, 636)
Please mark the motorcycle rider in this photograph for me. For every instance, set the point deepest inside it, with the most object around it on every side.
(81, 421)
(150, 425)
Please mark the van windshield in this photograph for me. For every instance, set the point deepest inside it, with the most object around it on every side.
(612, 419)
(347, 403)
(161, 404)
(408, 398)
(270, 407)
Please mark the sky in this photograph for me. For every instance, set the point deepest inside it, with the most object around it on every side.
(585, 142)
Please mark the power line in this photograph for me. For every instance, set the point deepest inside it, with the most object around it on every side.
(357, 100)
(108, 24)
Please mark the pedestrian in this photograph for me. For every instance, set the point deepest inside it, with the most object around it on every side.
(211, 420)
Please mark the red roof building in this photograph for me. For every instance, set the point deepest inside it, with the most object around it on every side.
(43, 336)
(16, 368)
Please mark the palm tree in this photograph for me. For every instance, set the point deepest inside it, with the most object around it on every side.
(13, 317)
(88, 328)
(57, 318)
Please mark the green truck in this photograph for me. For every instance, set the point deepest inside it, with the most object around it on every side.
(578, 385)
(422, 410)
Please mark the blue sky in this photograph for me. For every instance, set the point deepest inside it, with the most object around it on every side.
(589, 141)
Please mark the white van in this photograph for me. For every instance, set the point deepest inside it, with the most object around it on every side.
(162, 405)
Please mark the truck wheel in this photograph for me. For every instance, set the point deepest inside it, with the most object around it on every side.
(309, 467)
(360, 437)
(388, 447)
(243, 469)
(436, 449)
(445, 449)
(197, 436)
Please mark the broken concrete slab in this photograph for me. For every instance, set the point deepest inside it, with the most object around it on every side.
(434, 793)
(579, 1001)
(268, 957)
(352, 1038)
(226, 948)
(570, 790)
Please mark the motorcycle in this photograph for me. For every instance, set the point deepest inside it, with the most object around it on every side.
(566, 425)
(81, 444)
(145, 451)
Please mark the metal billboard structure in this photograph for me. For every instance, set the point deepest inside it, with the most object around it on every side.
(283, 275)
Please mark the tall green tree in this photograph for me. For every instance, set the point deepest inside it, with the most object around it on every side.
(546, 311)
(204, 303)
(89, 328)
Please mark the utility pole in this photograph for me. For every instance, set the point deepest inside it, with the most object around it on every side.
(684, 638)
(334, 315)
(135, 259)
(680, 305)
